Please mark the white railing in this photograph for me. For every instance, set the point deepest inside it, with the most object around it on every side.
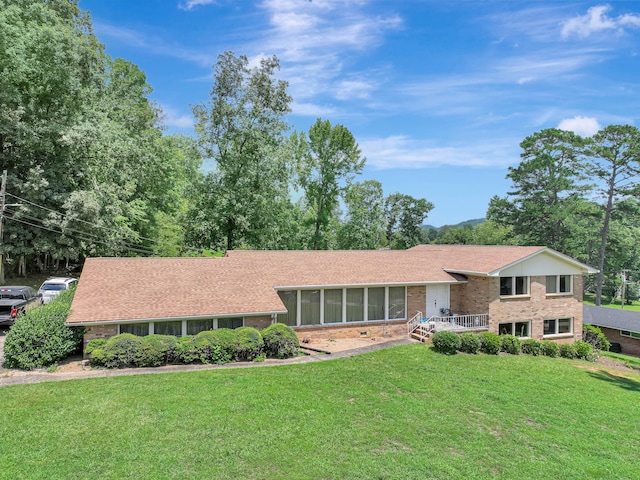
(460, 322)
(413, 322)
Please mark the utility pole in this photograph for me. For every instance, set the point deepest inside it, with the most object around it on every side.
(624, 287)
(3, 190)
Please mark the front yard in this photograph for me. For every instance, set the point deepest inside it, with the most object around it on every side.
(404, 412)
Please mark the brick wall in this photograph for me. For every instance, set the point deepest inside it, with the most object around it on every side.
(353, 330)
(630, 346)
(416, 300)
(537, 307)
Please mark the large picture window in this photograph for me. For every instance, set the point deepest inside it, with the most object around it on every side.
(290, 300)
(510, 286)
(310, 307)
(558, 326)
(194, 327)
(168, 328)
(139, 329)
(519, 329)
(355, 304)
(559, 284)
(375, 301)
(397, 301)
(333, 306)
(232, 322)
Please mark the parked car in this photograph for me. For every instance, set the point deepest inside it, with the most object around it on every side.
(52, 287)
(14, 300)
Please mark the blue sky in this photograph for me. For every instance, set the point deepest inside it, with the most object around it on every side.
(438, 94)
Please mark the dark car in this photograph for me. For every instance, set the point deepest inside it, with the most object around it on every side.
(14, 300)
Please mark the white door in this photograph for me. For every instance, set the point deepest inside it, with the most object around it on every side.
(437, 298)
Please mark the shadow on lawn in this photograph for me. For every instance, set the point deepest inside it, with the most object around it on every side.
(620, 381)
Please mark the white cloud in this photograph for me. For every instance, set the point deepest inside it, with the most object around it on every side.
(311, 110)
(173, 118)
(583, 126)
(189, 4)
(403, 152)
(596, 20)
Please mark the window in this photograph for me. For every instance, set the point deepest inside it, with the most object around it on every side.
(196, 326)
(355, 304)
(626, 333)
(310, 307)
(333, 306)
(519, 329)
(168, 328)
(510, 286)
(290, 300)
(397, 297)
(558, 284)
(139, 329)
(558, 326)
(375, 300)
(234, 322)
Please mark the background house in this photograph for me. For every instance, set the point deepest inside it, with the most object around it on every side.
(619, 326)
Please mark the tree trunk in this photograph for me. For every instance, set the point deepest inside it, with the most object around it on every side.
(603, 243)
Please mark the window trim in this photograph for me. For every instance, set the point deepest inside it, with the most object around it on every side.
(558, 293)
(513, 286)
(630, 334)
(557, 334)
(513, 327)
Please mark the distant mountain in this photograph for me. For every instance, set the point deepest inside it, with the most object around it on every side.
(472, 223)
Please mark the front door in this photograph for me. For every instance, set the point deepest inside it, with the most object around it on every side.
(437, 298)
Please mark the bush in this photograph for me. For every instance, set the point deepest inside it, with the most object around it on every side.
(40, 337)
(585, 351)
(568, 350)
(93, 345)
(531, 347)
(120, 351)
(510, 344)
(154, 350)
(490, 343)
(549, 348)
(249, 343)
(215, 346)
(185, 351)
(595, 337)
(469, 343)
(446, 342)
(280, 341)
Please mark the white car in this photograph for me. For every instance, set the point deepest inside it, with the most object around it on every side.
(52, 287)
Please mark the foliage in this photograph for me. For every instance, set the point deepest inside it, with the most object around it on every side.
(469, 342)
(216, 346)
(249, 343)
(280, 341)
(531, 346)
(510, 344)
(584, 351)
(446, 342)
(242, 129)
(327, 161)
(40, 337)
(405, 216)
(364, 224)
(549, 348)
(568, 350)
(594, 336)
(94, 344)
(154, 350)
(120, 351)
(490, 343)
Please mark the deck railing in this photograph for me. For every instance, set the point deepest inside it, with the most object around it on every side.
(460, 322)
(413, 322)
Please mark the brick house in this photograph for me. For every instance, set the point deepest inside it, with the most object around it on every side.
(619, 326)
(532, 292)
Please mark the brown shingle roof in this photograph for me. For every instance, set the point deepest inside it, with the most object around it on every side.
(244, 282)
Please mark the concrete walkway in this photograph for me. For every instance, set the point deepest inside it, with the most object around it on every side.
(12, 377)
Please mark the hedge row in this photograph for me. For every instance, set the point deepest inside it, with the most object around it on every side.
(213, 346)
(490, 343)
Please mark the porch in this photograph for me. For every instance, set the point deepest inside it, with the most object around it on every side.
(422, 328)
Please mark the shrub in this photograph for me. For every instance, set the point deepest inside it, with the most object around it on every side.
(490, 343)
(185, 351)
(510, 344)
(215, 346)
(568, 350)
(531, 347)
(446, 342)
(280, 341)
(549, 348)
(40, 337)
(595, 337)
(120, 351)
(249, 343)
(585, 351)
(154, 350)
(93, 345)
(469, 343)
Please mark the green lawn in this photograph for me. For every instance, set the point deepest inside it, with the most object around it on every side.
(590, 299)
(400, 413)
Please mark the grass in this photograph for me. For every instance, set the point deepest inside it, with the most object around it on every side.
(401, 413)
(632, 362)
(590, 299)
